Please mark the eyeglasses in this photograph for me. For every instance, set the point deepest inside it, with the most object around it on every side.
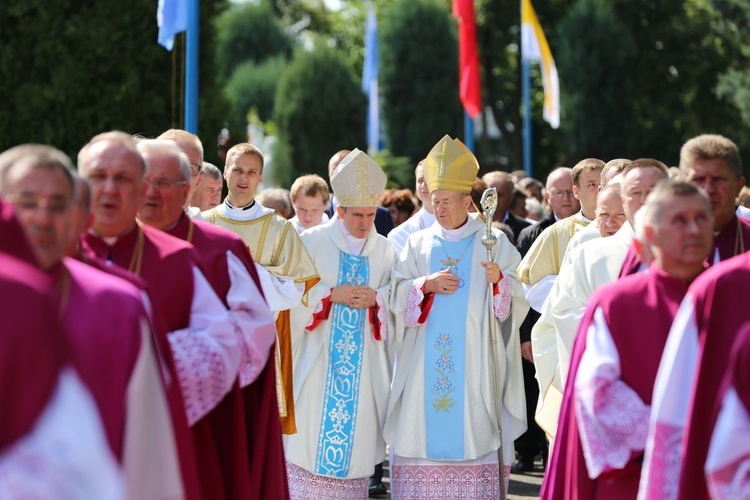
(195, 172)
(55, 205)
(163, 184)
(559, 194)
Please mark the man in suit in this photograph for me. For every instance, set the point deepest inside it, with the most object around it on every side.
(560, 197)
(562, 202)
(503, 184)
(383, 221)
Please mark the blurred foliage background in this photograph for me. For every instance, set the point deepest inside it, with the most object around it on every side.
(637, 77)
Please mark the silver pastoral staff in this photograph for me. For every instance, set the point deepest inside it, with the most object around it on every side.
(489, 205)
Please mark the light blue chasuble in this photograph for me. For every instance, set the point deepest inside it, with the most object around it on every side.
(445, 353)
(345, 353)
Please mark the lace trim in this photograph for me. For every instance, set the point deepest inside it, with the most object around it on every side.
(382, 316)
(446, 482)
(732, 481)
(201, 373)
(252, 361)
(317, 311)
(661, 470)
(304, 485)
(414, 303)
(613, 423)
(503, 299)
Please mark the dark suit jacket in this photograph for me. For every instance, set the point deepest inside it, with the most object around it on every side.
(383, 221)
(531, 233)
(516, 224)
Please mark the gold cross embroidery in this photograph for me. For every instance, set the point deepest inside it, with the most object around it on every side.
(441, 157)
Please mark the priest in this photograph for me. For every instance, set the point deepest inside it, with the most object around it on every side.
(115, 360)
(341, 366)
(542, 262)
(592, 264)
(601, 436)
(201, 348)
(39, 455)
(728, 459)
(424, 217)
(285, 269)
(245, 419)
(442, 418)
(698, 348)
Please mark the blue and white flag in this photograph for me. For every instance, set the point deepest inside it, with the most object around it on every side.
(370, 80)
(172, 18)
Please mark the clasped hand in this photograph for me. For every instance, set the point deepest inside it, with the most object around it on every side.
(447, 283)
(357, 297)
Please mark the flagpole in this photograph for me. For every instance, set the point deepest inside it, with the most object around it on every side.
(468, 131)
(526, 95)
(191, 67)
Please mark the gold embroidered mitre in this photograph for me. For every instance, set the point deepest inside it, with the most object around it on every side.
(358, 181)
(450, 165)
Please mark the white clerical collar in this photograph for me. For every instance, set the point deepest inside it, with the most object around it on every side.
(582, 217)
(356, 245)
(454, 234)
(253, 211)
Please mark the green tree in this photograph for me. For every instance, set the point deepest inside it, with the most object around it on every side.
(499, 39)
(595, 52)
(319, 109)
(418, 76)
(249, 32)
(254, 86)
(70, 70)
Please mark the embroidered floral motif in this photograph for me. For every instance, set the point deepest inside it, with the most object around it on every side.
(447, 482)
(201, 371)
(339, 416)
(612, 422)
(305, 485)
(444, 368)
(662, 464)
(503, 300)
(354, 276)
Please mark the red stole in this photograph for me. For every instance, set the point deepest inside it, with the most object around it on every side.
(32, 348)
(165, 263)
(101, 318)
(639, 310)
(720, 297)
(245, 424)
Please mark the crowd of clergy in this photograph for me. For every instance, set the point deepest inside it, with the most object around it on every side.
(160, 342)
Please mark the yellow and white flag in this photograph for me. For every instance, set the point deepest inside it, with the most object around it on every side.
(534, 47)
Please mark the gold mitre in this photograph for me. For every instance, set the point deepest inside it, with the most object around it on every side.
(450, 165)
(358, 181)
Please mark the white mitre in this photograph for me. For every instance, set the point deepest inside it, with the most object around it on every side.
(358, 181)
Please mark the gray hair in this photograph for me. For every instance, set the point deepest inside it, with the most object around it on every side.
(114, 136)
(166, 147)
(211, 170)
(664, 190)
(38, 155)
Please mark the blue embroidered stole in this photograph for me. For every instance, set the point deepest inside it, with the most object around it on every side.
(445, 354)
(345, 353)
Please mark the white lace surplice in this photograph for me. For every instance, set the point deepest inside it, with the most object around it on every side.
(612, 418)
